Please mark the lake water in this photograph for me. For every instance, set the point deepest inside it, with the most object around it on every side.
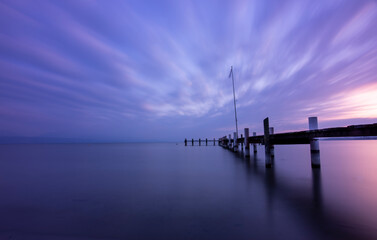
(169, 191)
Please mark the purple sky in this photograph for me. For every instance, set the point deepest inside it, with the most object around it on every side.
(158, 70)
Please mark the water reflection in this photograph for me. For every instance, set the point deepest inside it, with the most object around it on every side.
(247, 152)
(306, 204)
(317, 189)
(165, 191)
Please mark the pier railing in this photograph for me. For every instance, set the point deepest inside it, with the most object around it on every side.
(269, 139)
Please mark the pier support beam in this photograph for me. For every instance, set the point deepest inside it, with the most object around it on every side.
(314, 144)
(272, 148)
(185, 141)
(267, 150)
(200, 142)
(247, 148)
(206, 142)
(192, 142)
(254, 144)
(242, 143)
(235, 144)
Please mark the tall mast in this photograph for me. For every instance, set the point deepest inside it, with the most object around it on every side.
(234, 98)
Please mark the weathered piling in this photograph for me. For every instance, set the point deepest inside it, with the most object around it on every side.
(224, 141)
(235, 144)
(314, 144)
(241, 143)
(267, 150)
(272, 148)
(254, 144)
(247, 148)
(269, 139)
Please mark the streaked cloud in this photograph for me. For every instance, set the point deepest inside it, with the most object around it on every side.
(127, 69)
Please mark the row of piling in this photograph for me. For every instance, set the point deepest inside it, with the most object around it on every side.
(200, 141)
(269, 139)
(265, 139)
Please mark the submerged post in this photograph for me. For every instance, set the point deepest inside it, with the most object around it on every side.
(255, 145)
(185, 141)
(206, 142)
(314, 144)
(200, 141)
(192, 142)
(247, 149)
(235, 144)
(267, 143)
(272, 148)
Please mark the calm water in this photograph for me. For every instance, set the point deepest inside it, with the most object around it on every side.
(169, 191)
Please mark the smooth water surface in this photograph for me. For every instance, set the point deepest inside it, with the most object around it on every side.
(169, 191)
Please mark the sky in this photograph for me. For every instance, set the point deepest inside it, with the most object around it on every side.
(158, 70)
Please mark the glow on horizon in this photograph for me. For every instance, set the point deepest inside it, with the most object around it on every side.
(141, 70)
(361, 102)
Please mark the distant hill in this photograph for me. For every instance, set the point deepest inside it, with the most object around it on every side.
(349, 138)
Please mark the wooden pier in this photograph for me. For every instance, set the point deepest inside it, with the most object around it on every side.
(269, 139)
(201, 141)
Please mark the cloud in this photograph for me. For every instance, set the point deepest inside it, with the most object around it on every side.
(103, 69)
(358, 24)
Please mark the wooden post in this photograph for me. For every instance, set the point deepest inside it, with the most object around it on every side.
(272, 148)
(206, 142)
(247, 149)
(235, 144)
(254, 144)
(314, 144)
(242, 143)
(267, 143)
(200, 141)
(192, 142)
(185, 141)
(214, 142)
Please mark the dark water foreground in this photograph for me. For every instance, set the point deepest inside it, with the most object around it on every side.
(168, 191)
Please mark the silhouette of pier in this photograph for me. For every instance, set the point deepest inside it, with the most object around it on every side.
(269, 139)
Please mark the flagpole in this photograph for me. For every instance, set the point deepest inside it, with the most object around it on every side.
(234, 98)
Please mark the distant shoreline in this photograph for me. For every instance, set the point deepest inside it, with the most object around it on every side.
(81, 141)
(348, 138)
(41, 140)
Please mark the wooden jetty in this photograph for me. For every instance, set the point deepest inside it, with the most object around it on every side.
(200, 141)
(269, 139)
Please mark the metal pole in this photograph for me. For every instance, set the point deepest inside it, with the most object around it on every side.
(234, 98)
